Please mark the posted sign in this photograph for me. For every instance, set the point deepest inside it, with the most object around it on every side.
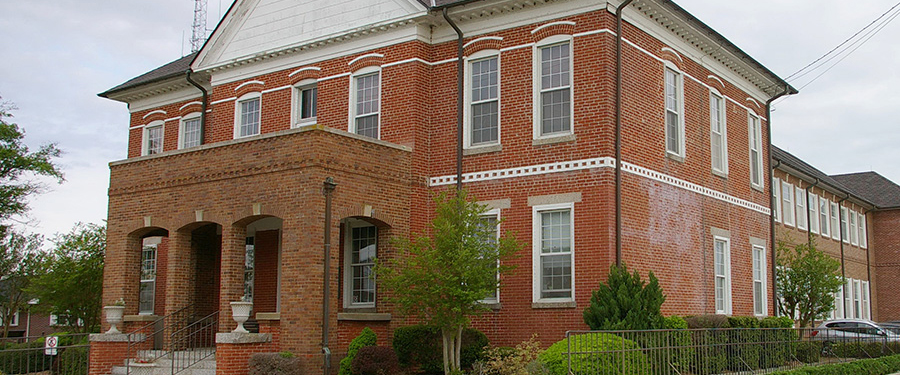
(50, 345)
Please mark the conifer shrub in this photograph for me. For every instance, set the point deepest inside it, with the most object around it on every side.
(625, 302)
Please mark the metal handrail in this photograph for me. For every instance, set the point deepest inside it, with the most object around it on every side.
(193, 343)
(138, 338)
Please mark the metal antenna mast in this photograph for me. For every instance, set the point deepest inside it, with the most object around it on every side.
(198, 29)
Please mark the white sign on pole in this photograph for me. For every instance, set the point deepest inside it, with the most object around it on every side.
(50, 345)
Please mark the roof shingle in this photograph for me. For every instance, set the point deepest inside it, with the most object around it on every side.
(873, 187)
(801, 166)
(172, 69)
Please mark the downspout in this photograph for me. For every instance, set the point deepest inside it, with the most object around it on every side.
(770, 159)
(203, 105)
(618, 140)
(809, 234)
(327, 188)
(459, 99)
(841, 242)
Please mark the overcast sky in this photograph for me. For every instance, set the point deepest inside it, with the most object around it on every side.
(57, 55)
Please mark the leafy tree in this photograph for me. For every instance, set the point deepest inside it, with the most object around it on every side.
(17, 164)
(807, 279)
(443, 278)
(20, 261)
(625, 302)
(72, 284)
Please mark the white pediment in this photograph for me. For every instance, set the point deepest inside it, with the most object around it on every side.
(255, 26)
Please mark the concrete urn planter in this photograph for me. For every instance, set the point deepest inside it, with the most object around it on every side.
(240, 311)
(114, 316)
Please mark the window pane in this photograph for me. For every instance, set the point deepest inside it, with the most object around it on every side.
(308, 99)
(367, 105)
(154, 140)
(556, 276)
(555, 108)
(484, 122)
(367, 126)
(555, 89)
(191, 133)
(249, 117)
(673, 113)
(362, 260)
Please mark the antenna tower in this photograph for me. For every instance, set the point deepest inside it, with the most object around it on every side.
(198, 28)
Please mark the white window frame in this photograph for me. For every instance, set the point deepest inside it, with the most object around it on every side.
(787, 196)
(348, 265)
(835, 221)
(367, 71)
(238, 112)
(479, 56)
(754, 125)
(776, 197)
(824, 217)
(145, 137)
(147, 243)
(494, 213)
(838, 312)
(854, 229)
(866, 300)
(759, 278)
(297, 105)
(538, 103)
(182, 134)
(848, 299)
(537, 275)
(679, 107)
(800, 201)
(845, 225)
(722, 120)
(863, 232)
(14, 322)
(726, 293)
(813, 204)
(857, 299)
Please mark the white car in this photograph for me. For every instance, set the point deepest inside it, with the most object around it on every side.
(859, 330)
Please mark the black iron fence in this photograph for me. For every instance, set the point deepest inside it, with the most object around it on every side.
(719, 351)
(67, 355)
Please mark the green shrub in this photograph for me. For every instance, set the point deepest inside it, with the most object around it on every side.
(809, 351)
(366, 338)
(625, 302)
(876, 366)
(375, 360)
(780, 343)
(25, 358)
(873, 349)
(596, 353)
(422, 346)
(274, 364)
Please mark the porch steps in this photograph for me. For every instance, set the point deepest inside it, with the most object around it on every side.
(163, 363)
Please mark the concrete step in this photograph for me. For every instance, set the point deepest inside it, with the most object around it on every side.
(163, 362)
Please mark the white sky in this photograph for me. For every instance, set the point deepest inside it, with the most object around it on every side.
(57, 55)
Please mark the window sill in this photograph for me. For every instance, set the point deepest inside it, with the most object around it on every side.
(141, 318)
(553, 305)
(364, 317)
(757, 187)
(675, 157)
(553, 139)
(482, 149)
(492, 305)
(268, 316)
(720, 174)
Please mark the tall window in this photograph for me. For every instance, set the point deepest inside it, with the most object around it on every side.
(801, 208)
(857, 299)
(835, 224)
(361, 249)
(756, 161)
(491, 221)
(838, 312)
(776, 197)
(153, 138)
(305, 101)
(863, 231)
(854, 230)
(555, 89)
(866, 307)
(248, 115)
(367, 107)
(249, 268)
(718, 144)
(823, 217)
(190, 131)
(484, 101)
(148, 276)
(787, 198)
(813, 213)
(848, 299)
(722, 267)
(759, 280)
(844, 235)
(554, 244)
(674, 124)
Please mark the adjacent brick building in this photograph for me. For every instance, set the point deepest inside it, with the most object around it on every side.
(221, 199)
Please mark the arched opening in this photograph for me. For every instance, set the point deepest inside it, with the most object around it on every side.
(262, 264)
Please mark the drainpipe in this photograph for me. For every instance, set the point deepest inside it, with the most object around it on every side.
(459, 99)
(327, 188)
(809, 234)
(203, 105)
(618, 141)
(770, 159)
(841, 242)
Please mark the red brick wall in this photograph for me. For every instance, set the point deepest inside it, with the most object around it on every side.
(885, 234)
(104, 355)
(265, 287)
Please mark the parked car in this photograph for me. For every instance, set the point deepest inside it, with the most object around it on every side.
(853, 330)
(891, 326)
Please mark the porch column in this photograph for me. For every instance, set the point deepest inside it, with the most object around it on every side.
(180, 278)
(231, 284)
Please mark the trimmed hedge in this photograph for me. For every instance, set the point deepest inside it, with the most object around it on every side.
(877, 366)
(274, 364)
(863, 350)
(604, 354)
(375, 360)
(728, 349)
(24, 358)
(422, 346)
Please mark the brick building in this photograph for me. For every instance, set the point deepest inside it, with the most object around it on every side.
(221, 199)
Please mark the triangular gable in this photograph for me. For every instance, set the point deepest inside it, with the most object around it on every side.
(254, 26)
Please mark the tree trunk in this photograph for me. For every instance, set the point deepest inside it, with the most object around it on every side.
(458, 347)
(446, 351)
(452, 349)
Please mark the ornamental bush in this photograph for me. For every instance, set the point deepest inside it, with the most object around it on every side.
(597, 353)
(625, 302)
(375, 360)
(366, 338)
